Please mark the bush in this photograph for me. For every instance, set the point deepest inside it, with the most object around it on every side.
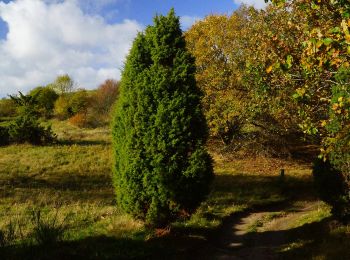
(79, 120)
(162, 168)
(46, 98)
(70, 104)
(80, 102)
(28, 129)
(4, 136)
(331, 187)
(63, 109)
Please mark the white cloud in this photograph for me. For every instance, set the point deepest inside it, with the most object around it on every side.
(187, 21)
(256, 3)
(48, 38)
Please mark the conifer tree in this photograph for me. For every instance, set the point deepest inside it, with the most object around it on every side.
(161, 167)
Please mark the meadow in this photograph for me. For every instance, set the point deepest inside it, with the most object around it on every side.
(57, 202)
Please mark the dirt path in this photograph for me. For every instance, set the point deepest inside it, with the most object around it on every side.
(259, 234)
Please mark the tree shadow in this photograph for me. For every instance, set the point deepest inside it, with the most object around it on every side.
(293, 243)
(82, 142)
(108, 247)
(256, 192)
(260, 194)
(74, 187)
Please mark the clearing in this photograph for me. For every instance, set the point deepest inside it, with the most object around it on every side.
(251, 213)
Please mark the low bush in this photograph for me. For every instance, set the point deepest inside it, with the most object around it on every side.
(330, 185)
(87, 120)
(46, 98)
(4, 136)
(79, 120)
(27, 129)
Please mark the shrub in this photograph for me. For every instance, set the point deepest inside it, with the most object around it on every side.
(63, 109)
(80, 120)
(4, 136)
(336, 137)
(70, 104)
(46, 98)
(80, 102)
(331, 187)
(27, 128)
(162, 168)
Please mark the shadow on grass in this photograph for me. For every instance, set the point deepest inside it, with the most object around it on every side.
(100, 247)
(83, 142)
(73, 182)
(105, 247)
(304, 242)
(74, 187)
(295, 243)
(197, 240)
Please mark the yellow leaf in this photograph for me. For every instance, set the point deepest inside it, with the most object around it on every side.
(269, 69)
(347, 38)
(345, 27)
(301, 91)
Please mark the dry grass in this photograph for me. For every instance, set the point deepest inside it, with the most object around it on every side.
(73, 177)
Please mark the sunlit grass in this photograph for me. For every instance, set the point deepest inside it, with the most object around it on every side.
(73, 178)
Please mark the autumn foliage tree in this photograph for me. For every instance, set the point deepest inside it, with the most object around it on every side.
(63, 84)
(218, 43)
(105, 96)
(242, 60)
(284, 69)
(162, 168)
(323, 86)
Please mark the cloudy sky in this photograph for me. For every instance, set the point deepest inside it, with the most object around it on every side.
(88, 39)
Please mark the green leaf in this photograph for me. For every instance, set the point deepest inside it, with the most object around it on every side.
(327, 41)
(289, 61)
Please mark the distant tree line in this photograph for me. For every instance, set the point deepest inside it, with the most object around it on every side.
(22, 116)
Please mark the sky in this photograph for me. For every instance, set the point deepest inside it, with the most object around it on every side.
(86, 39)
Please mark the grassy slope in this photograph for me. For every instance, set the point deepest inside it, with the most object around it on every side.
(73, 179)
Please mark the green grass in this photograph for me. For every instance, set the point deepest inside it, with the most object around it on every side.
(73, 177)
(73, 180)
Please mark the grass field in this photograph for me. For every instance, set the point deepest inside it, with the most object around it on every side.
(57, 202)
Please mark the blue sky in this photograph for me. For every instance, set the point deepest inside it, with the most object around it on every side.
(143, 10)
(88, 39)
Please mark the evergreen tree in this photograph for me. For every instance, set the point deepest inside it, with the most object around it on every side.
(161, 165)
